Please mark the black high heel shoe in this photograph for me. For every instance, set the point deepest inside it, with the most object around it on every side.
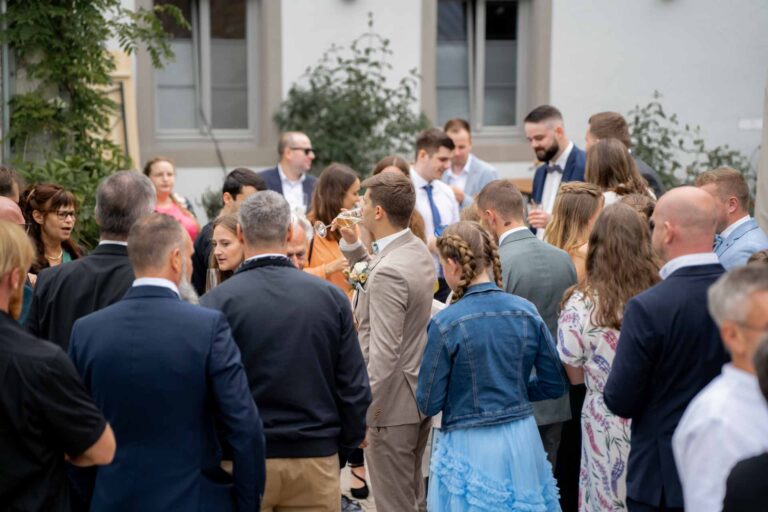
(360, 493)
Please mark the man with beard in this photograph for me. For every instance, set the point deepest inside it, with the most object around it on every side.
(562, 161)
(67, 292)
(151, 350)
(46, 412)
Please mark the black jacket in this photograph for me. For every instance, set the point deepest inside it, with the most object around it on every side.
(72, 290)
(200, 258)
(301, 354)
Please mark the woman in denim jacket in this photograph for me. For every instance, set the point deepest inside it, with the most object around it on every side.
(488, 454)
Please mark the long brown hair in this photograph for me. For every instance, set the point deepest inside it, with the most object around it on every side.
(328, 198)
(575, 205)
(620, 264)
(46, 198)
(612, 168)
(228, 222)
(472, 247)
(416, 224)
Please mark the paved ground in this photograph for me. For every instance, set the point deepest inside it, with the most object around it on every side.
(368, 505)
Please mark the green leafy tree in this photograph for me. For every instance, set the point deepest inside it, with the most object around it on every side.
(677, 151)
(349, 111)
(61, 115)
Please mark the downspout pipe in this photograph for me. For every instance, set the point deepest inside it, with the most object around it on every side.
(6, 84)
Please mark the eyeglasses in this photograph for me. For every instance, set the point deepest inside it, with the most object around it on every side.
(63, 214)
(306, 151)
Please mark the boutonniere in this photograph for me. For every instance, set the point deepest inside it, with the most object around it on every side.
(357, 276)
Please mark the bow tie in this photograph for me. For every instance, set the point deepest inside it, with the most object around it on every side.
(375, 248)
(718, 242)
(554, 168)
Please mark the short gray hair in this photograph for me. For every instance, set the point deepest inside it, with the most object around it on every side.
(728, 297)
(152, 238)
(265, 218)
(301, 221)
(122, 199)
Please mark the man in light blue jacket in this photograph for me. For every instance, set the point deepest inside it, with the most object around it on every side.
(468, 174)
(738, 236)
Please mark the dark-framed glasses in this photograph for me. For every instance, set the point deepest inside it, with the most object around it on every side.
(63, 214)
(306, 151)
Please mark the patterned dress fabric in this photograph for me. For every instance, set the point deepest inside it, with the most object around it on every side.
(605, 450)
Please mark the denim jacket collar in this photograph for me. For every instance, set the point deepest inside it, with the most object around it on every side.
(481, 288)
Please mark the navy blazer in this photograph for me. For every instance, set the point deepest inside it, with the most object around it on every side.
(67, 292)
(272, 178)
(164, 372)
(668, 350)
(574, 171)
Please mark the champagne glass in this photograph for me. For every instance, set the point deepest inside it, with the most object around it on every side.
(346, 219)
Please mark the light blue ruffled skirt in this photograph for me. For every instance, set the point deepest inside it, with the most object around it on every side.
(500, 467)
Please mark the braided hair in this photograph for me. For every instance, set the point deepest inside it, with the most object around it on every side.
(472, 247)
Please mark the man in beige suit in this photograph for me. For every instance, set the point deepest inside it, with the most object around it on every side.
(393, 308)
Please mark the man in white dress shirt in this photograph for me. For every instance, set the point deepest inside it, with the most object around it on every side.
(291, 176)
(468, 174)
(435, 200)
(728, 419)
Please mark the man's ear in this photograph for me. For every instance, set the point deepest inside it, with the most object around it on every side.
(422, 154)
(289, 235)
(176, 260)
(240, 236)
(227, 198)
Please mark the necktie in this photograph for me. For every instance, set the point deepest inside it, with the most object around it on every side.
(718, 243)
(436, 220)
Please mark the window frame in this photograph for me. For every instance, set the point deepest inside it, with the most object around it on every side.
(203, 84)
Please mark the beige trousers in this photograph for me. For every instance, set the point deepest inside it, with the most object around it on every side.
(393, 457)
(310, 484)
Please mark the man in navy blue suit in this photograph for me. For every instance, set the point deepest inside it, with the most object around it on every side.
(669, 347)
(166, 374)
(290, 177)
(563, 161)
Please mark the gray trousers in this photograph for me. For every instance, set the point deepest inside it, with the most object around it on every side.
(550, 438)
(394, 456)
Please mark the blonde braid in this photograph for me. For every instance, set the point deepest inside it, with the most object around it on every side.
(492, 254)
(454, 247)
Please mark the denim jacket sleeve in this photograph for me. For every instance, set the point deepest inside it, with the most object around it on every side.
(548, 380)
(434, 373)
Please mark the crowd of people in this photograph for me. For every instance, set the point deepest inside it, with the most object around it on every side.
(601, 345)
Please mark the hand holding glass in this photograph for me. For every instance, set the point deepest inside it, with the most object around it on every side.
(346, 219)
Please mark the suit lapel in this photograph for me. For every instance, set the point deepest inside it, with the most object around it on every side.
(738, 233)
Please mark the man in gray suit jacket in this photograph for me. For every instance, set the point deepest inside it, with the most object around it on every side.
(468, 174)
(392, 308)
(535, 271)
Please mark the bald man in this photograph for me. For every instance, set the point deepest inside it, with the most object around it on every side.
(10, 211)
(669, 347)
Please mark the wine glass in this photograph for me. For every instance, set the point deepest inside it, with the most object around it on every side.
(346, 219)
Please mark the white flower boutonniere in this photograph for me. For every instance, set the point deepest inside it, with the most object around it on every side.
(357, 276)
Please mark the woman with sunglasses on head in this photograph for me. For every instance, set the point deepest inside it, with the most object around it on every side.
(50, 213)
(476, 370)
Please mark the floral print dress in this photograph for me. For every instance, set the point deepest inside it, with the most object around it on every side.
(605, 436)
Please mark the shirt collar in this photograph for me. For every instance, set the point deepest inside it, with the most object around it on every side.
(113, 242)
(157, 281)
(418, 181)
(381, 244)
(744, 379)
(285, 179)
(564, 157)
(505, 234)
(730, 229)
(688, 260)
(465, 170)
(267, 255)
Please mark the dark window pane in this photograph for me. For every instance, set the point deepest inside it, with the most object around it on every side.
(501, 21)
(452, 20)
(228, 19)
(169, 23)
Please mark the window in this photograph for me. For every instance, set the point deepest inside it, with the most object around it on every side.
(208, 85)
(477, 62)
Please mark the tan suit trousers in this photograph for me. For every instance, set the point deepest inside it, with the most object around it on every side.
(393, 457)
(310, 484)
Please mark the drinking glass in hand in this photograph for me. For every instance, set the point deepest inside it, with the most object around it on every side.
(346, 219)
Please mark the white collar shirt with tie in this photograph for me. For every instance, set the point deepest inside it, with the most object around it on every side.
(444, 199)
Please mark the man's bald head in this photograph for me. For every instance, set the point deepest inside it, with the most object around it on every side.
(10, 211)
(684, 221)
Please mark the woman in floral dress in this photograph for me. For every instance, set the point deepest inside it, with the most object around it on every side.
(620, 264)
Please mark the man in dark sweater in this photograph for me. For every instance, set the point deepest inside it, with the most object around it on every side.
(302, 357)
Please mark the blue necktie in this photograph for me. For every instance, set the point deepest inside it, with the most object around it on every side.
(718, 242)
(436, 220)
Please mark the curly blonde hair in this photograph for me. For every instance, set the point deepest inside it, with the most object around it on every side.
(472, 247)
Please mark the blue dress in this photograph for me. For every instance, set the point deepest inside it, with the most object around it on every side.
(488, 454)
